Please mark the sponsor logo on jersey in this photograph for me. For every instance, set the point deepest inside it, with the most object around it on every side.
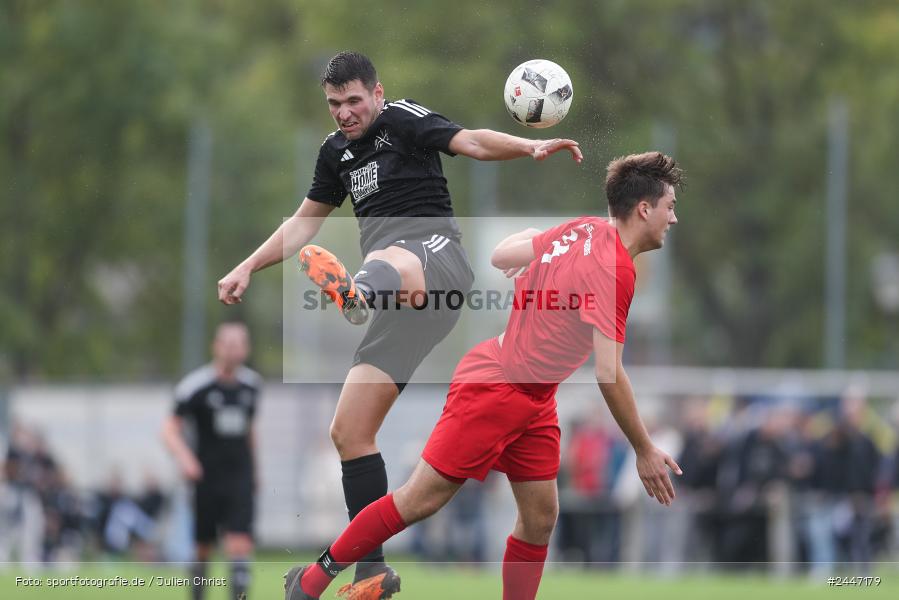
(364, 181)
(215, 399)
(588, 245)
(347, 156)
(382, 140)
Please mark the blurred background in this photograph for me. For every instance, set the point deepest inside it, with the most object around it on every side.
(148, 146)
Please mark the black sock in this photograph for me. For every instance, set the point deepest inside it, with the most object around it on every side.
(364, 481)
(378, 281)
(240, 578)
(197, 574)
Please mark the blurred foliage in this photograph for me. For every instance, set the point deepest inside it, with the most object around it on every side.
(98, 98)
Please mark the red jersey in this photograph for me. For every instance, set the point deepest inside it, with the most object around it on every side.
(581, 278)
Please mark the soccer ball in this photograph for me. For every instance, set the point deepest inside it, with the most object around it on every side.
(538, 93)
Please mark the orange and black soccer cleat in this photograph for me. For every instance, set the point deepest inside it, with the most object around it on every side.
(378, 587)
(327, 272)
(292, 589)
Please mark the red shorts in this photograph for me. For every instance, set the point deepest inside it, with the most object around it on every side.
(489, 424)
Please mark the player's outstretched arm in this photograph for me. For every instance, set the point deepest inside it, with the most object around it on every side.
(486, 144)
(173, 438)
(514, 252)
(293, 234)
(652, 463)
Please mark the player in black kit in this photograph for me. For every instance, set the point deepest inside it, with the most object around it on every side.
(385, 155)
(219, 401)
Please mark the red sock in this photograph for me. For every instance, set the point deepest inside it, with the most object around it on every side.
(522, 569)
(377, 523)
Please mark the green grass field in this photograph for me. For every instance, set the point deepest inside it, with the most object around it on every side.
(451, 582)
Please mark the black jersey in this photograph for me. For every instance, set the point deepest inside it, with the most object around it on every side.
(394, 171)
(221, 413)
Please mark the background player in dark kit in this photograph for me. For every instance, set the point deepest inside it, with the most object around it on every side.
(386, 155)
(219, 401)
(500, 411)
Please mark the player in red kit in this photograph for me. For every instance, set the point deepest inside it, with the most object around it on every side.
(571, 300)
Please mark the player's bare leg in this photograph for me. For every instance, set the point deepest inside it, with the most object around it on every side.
(239, 548)
(526, 548)
(538, 509)
(202, 554)
(367, 395)
(425, 492)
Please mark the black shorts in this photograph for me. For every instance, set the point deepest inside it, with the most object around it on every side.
(399, 339)
(222, 505)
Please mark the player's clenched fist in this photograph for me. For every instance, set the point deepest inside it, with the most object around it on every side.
(232, 286)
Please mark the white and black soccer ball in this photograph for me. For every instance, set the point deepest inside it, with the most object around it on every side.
(538, 93)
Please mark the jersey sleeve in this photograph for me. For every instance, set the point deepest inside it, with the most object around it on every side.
(251, 410)
(425, 128)
(184, 401)
(326, 184)
(604, 299)
(543, 242)
(253, 383)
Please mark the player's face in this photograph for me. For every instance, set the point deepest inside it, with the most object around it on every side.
(232, 345)
(661, 217)
(354, 107)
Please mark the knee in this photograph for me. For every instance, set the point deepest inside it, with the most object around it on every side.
(338, 437)
(238, 546)
(349, 442)
(203, 552)
(539, 524)
(341, 437)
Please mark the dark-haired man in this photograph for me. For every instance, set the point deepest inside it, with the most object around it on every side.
(219, 401)
(500, 414)
(386, 156)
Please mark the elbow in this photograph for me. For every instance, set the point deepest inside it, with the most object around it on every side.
(470, 145)
(607, 375)
(605, 379)
(476, 151)
(168, 432)
(499, 260)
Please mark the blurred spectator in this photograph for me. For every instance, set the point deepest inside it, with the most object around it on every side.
(63, 534)
(699, 459)
(467, 533)
(589, 528)
(646, 525)
(120, 521)
(750, 466)
(847, 465)
(20, 501)
(892, 496)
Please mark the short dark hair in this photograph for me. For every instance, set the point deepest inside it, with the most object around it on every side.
(345, 67)
(636, 177)
(232, 322)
